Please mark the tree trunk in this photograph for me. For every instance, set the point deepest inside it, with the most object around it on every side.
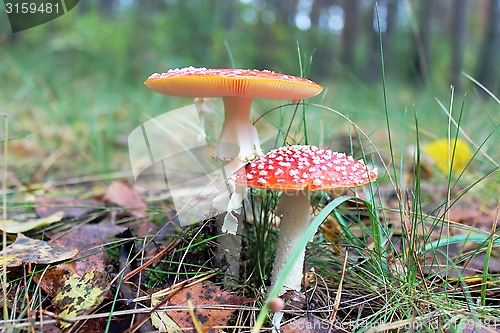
(107, 6)
(458, 40)
(283, 9)
(387, 11)
(321, 42)
(228, 12)
(315, 13)
(421, 53)
(488, 72)
(350, 33)
(149, 6)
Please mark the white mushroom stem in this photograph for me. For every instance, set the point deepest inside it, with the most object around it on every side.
(294, 208)
(229, 204)
(237, 132)
(228, 252)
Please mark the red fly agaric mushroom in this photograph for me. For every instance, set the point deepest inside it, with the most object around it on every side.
(297, 170)
(237, 87)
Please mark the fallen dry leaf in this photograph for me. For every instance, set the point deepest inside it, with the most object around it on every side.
(80, 295)
(127, 197)
(440, 152)
(472, 216)
(45, 205)
(27, 250)
(161, 320)
(202, 295)
(90, 241)
(51, 280)
(94, 325)
(42, 326)
(14, 227)
(26, 147)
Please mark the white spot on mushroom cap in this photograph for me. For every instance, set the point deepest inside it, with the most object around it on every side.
(279, 172)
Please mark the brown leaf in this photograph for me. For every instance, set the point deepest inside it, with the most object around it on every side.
(26, 148)
(27, 250)
(145, 226)
(94, 325)
(45, 205)
(52, 280)
(472, 216)
(89, 239)
(42, 326)
(204, 295)
(295, 300)
(127, 197)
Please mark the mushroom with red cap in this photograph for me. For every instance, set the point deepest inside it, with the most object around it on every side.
(297, 170)
(237, 87)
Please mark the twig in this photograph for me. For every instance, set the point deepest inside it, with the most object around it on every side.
(467, 137)
(151, 261)
(4, 217)
(338, 297)
(482, 87)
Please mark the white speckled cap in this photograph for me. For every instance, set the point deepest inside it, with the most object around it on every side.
(299, 167)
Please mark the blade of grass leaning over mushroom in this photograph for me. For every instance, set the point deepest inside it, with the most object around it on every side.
(238, 139)
(297, 170)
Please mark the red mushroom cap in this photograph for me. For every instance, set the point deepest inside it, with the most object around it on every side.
(203, 82)
(299, 167)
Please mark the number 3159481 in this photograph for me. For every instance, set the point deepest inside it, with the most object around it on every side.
(31, 8)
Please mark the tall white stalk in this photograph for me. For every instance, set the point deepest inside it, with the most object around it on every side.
(295, 210)
(237, 132)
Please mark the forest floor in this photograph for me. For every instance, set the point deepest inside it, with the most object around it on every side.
(86, 247)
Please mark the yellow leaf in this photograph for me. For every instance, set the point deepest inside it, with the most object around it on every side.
(460, 153)
(81, 295)
(26, 250)
(14, 227)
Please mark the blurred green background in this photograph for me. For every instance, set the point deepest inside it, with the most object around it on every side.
(73, 88)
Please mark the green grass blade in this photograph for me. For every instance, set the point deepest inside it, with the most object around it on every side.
(230, 54)
(487, 261)
(455, 239)
(311, 230)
